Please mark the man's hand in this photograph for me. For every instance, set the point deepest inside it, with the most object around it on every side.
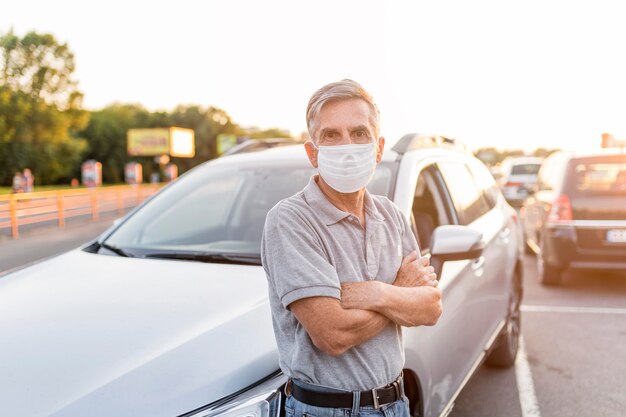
(415, 272)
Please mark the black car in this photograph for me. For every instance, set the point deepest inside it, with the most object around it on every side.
(576, 217)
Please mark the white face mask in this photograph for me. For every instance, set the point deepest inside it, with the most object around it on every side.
(347, 168)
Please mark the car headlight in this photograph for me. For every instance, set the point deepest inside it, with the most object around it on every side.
(262, 400)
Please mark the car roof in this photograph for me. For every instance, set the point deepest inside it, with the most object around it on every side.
(283, 153)
(297, 152)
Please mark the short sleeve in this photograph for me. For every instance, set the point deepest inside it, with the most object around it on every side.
(295, 263)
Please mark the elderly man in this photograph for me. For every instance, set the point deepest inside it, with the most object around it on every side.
(343, 270)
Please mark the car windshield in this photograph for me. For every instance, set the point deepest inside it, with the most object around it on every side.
(216, 213)
(525, 169)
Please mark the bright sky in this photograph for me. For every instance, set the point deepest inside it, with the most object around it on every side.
(490, 73)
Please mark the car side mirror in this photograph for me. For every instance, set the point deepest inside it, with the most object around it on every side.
(454, 243)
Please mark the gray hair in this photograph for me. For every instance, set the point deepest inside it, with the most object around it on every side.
(338, 91)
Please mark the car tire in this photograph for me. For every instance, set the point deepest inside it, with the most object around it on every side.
(547, 274)
(504, 352)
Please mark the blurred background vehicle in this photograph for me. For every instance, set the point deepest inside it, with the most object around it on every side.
(496, 172)
(518, 176)
(255, 145)
(577, 216)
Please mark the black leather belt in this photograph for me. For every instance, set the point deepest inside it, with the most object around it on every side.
(375, 397)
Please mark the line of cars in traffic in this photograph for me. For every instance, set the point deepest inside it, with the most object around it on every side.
(167, 314)
(573, 209)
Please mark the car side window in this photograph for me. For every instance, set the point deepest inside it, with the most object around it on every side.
(428, 209)
(485, 181)
(469, 202)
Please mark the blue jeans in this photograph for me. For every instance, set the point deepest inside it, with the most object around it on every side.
(295, 408)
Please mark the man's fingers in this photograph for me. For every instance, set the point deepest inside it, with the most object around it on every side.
(409, 258)
(424, 260)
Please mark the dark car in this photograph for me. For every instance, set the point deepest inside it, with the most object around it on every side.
(577, 216)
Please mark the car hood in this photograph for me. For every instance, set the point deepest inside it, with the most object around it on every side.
(86, 334)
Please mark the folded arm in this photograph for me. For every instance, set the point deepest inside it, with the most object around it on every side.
(334, 329)
(412, 300)
(405, 306)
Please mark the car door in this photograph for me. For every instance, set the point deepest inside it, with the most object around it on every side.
(498, 224)
(443, 354)
(487, 299)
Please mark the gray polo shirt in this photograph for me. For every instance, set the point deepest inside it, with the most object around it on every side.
(309, 248)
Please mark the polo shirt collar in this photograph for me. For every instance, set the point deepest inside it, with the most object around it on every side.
(370, 208)
(328, 212)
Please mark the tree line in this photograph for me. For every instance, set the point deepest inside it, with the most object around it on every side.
(44, 127)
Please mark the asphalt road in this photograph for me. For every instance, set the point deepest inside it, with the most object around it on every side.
(573, 363)
(43, 242)
(575, 345)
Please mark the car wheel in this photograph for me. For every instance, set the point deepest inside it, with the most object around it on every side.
(548, 274)
(504, 352)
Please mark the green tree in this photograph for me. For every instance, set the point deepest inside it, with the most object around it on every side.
(207, 124)
(273, 132)
(544, 152)
(106, 136)
(107, 130)
(40, 108)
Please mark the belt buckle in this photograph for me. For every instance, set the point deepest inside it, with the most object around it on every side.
(375, 399)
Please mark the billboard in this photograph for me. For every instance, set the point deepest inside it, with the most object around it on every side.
(182, 142)
(173, 141)
(148, 142)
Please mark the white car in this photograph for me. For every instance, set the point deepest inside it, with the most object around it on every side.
(519, 177)
(166, 314)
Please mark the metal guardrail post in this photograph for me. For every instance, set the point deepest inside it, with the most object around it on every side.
(13, 213)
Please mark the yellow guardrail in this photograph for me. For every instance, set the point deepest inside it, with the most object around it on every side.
(28, 208)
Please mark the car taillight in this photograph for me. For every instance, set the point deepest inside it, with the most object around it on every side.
(561, 210)
(512, 184)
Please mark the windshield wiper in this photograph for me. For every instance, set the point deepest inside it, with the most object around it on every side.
(210, 257)
(116, 250)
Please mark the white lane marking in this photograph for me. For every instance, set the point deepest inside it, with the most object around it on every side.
(525, 386)
(565, 309)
